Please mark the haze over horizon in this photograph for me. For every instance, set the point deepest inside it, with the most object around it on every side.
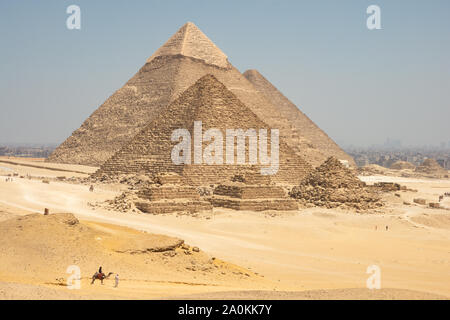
(360, 86)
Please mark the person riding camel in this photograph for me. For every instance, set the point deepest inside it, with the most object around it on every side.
(100, 275)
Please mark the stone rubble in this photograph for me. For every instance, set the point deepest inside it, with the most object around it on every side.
(122, 203)
(332, 185)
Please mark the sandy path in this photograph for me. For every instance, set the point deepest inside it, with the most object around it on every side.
(17, 164)
(311, 249)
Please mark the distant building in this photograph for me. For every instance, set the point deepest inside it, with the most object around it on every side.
(361, 161)
(444, 163)
(392, 143)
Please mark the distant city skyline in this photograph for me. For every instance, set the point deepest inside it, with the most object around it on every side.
(360, 86)
(398, 144)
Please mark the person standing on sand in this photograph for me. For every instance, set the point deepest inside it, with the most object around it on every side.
(116, 279)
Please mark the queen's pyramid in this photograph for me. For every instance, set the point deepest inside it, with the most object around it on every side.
(207, 101)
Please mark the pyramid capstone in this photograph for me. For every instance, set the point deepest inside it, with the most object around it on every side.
(190, 41)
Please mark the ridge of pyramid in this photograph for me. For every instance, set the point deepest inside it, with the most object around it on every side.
(208, 101)
(306, 127)
(190, 41)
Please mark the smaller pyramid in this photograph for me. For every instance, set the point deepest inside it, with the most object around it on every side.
(316, 145)
(333, 185)
(401, 165)
(248, 190)
(431, 166)
(170, 194)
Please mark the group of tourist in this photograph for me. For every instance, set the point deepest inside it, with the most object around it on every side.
(9, 179)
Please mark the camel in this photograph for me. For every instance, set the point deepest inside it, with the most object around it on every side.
(100, 276)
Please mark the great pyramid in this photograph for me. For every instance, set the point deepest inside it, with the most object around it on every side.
(322, 145)
(210, 102)
(186, 57)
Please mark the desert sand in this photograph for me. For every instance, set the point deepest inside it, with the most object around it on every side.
(312, 253)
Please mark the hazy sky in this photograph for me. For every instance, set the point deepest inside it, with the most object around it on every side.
(361, 86)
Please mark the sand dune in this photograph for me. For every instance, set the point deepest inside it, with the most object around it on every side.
(37, 250)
